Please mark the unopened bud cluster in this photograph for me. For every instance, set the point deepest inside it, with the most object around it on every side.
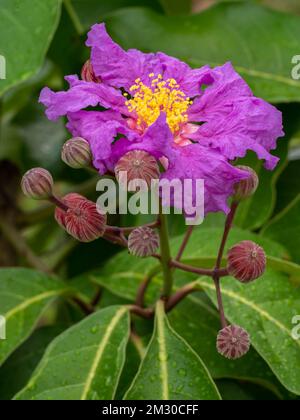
(82, 219)
(233, 342)
(246, 261)
(246, 187)
(137, 165)
(143, 242)
(77, 154)
(37, 184)
(88, 74)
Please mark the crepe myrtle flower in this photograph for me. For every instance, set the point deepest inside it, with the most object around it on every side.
(196, 121)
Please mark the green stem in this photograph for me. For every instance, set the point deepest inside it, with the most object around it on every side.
(14, 237)
(74, 17)
(165, 256)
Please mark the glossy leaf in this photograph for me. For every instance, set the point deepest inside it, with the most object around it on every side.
(27, 28)
(198, 323)
(85, 362)
(123, 274)
(254, 212)
(266, 309)
(171, 370)
(260, 42)
(285, 228)
(90, 12)
(288, 187)
(24, 295)
(176, 7)
(17, 370)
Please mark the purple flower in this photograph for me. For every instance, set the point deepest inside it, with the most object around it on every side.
(194, 120)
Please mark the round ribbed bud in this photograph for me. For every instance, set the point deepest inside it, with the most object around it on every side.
(246, 187)
(233, 342)
(88, 74)
(81, 220)
(137, 165)
(143, 242)
(37, 184)
(77, 154)
(246, 261)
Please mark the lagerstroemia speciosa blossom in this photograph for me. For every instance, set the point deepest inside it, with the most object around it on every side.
(196, 121)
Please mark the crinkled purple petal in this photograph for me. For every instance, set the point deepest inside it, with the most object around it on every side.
(100, 129)
(251, 124)
(80, 95)
(225, 86)
(197, 162)
(115, 66)
(157, 141)
(189, 80)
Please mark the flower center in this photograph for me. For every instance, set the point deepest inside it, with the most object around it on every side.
(162, 96)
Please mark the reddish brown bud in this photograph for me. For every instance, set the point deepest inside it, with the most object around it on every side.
(247, 187)
(246, 261)
(233, 342)
(77, 154)
(143, 242)
(137, 165)
(37, 184)
(81, 220)
(88, 74)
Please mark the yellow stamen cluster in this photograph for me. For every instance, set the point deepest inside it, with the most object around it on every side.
(162, 96)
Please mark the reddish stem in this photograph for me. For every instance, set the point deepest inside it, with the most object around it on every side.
(127, 230)
(186, 239)
(59, 203)
(200, 271)
(228, 226)
(177, 297)
(216, 276)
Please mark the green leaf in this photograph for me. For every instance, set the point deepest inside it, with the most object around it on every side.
(123, 274)
(260, 42)
(203, 248)
(266, 309)
(258, 209)
(176, 7)
(285, 228)
(24, 295)
(288, 187)
(199, 323)
(291, 6)
(42, 140)
(85, 362)
(90, 12)
(27, 28)
(135, 352)
(171, 370)
(18, 368)
(254, 212)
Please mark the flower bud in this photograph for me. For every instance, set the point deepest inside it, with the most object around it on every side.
(77, 154)
(137, 165)
(246, 187)
(88, 74)
(81, 220)
(37, 184)
(233, 342)
(143, 242)
(246, 261)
